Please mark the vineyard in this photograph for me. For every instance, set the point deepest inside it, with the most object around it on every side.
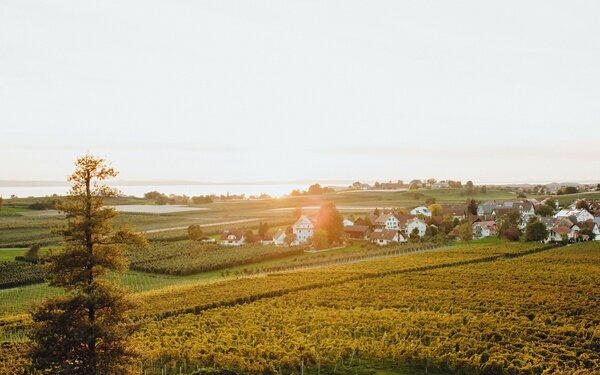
(187, 257)
(535, 314)
(20, 273)
(493, 308)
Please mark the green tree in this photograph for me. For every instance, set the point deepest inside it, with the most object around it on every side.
(465, 231)
(33, 254)
(582, 204)
(315, 189)
(332, 221)
(263, 228)
(87, 330)
(320, 240)
(414, 235)
(567, 190)
(290, 237)
(510, 222)
(544, 210)
(1, 202)
(436, 209)
(469, 188)
(535, 231)
(589, 232)
(195, 232)
(472, 206)
(250, 237)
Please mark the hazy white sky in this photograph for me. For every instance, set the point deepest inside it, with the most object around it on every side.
(302, 90)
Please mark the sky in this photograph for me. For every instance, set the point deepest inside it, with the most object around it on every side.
(247, 91)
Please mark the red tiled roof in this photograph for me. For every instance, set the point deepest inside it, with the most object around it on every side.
(386, 234)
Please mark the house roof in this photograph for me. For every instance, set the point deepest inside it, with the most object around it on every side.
(561, 230)
(362, 229)
(588, 224)
(486, 224)
(238, 233)
(278, 234)
(455, 210)
(302, 217)
(386, 235)
(488, 207)
(500, 211)
(415, 219)
(383, 218)
(404, 218)
(565, 222)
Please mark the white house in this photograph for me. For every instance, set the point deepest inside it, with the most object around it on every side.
(279, 238)
(556, 235)
(383, 237)
(304, 229)
(233, 237)
(593, 226)
(580, 214)
(486, 208)
(526, 209)
(421, 210)
(348, 223)
(388, 221)
(418, 224)
(483, 229)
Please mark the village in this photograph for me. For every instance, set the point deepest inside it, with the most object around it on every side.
(529, 219)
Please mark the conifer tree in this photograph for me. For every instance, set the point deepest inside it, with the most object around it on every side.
(86, 330)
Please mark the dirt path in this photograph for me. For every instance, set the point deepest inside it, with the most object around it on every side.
(204, 225)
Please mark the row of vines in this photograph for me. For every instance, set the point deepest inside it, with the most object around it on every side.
(531, 315)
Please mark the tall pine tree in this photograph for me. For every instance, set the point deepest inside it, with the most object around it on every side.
(87, 330)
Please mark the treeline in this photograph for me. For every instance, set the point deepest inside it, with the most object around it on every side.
(162, 199)
(315, 189)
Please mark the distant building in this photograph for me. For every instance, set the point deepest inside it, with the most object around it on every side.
(304, 229)
(348, 223)
(357, 232)
(233, 237)
(417, 224)
(387, 221)
(279, 238)
(483, 229)
(421, 210)
(383, 237)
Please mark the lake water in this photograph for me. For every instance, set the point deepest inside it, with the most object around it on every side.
(274, 190)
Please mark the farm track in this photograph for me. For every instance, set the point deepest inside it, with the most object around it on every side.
(366, 276)
(203, 225)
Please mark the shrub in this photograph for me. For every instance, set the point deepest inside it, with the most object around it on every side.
(33, 254)
(511, 234)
